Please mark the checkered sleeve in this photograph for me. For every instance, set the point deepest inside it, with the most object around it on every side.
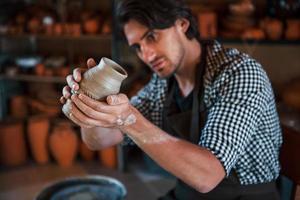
(242, 95)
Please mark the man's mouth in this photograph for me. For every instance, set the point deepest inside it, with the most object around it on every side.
(158, 64)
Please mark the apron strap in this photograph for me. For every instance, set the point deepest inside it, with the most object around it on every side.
(198, 97)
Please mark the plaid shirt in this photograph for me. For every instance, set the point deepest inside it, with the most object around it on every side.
(242, 128)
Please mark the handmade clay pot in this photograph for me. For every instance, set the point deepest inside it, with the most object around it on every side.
(108, 157)
(63, 144)
(12, 143)
(38, 132)
(102, 80)
(85, 153)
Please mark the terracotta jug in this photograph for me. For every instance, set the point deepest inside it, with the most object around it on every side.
(291, 94)
(38, 132)
(207, 24)
(12, 143)
(108, 157)
(85, 153)
(102, 80)
(63, 144)
(18, 106)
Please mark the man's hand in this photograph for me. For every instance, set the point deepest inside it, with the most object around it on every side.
(73, 81)
(114, 113)
(71, 87)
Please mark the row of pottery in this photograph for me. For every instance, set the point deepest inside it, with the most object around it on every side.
(62, 143)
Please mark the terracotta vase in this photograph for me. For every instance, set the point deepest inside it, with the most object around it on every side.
(273, 28)
(291, 95)
(18, 106)
(108, 157)
(85, 153)
(292, 31)
(39, 69)
(38, 132)
(63, 144)
(91, 26)
(102, 80)
(207, 24)
(12, 143)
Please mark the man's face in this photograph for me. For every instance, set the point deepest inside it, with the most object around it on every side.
(161, 49)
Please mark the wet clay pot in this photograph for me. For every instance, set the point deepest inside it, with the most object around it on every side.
(63, 144)
(38, 132)
(85, 153)
(108, 157)
(102, 80)
(12, 143)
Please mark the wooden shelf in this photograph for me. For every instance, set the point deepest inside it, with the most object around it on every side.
(57, 37)
(33, 78)
(265, 41)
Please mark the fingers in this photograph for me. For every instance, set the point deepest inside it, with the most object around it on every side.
(117, 99)
(72, 83)
(91, 63)
(67, 109)
(77, 74)
(90, 112)
(66, 92)
(62, 100)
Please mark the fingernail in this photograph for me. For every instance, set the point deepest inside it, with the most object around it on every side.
(76, 77)
(113, 99)
(80, 96)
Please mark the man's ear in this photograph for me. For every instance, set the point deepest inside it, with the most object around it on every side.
(182, 24)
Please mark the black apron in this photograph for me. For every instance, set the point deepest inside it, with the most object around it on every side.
(187, 125)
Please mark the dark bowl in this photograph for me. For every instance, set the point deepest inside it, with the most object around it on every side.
(84, 188)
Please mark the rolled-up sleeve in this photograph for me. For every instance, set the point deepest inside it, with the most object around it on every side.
(242, 93)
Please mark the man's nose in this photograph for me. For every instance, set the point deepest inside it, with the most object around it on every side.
(148, 54)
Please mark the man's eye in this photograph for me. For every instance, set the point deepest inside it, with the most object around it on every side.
(151, 37)
(136, 48)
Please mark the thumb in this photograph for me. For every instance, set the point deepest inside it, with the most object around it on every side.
(91, 63)
(116, 99)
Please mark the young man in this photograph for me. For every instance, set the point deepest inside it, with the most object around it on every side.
(207, 115)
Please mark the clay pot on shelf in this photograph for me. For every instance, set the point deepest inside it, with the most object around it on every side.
(207, 24)
(253, 34)
(38, 132)
(85, 153)
(18, 106)
(91, 25)
(107, 27)
(63, 144)
(12, 143)
(39, 69)
(76, 29)
(272, 27)
(108, 157)
(292, 29)
(63, 71)
(291, 95)
(58, 29)
(34, 25)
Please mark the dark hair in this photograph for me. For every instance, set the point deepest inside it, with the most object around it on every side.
(157, 14)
